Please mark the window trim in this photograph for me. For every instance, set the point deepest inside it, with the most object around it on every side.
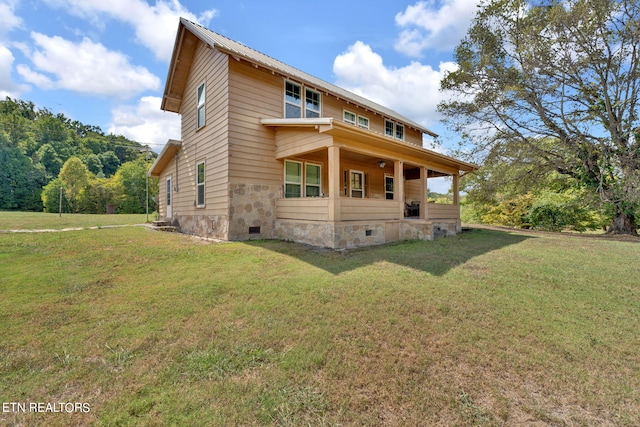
(319, 185)
(319, 110)
(300, 183)
(201, 105)
(344, 118)
(351, 189)
(360, 125)
(287, 102)
(200, 185)
(387, 192)
(395, 128)
(303, 178)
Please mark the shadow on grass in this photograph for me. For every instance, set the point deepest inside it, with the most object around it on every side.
(436, 257)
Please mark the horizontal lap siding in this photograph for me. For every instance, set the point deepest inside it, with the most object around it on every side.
(254, 94)
(312, 209)
(333, 107)
(440, 211)
(366, 209)
(209, 143)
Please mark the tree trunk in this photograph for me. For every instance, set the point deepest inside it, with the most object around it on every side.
(623, 224)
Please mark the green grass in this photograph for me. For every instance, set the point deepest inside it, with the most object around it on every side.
(487, 328)
(11, 220)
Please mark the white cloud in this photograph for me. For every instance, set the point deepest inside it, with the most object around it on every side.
(413, 90)
(431, 24)
(154, 25)
(85, 67)
(7, 86)
(8, 18)
(145, 123)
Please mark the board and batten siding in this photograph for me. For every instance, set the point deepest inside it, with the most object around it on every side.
(209, 143)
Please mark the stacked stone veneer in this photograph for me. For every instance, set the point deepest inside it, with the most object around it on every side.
(353, 234)
(212, 226)
(252, 205)
(331, 235)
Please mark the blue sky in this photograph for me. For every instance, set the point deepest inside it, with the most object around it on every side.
(104, 62)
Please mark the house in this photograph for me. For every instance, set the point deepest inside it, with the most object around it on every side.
(268, 151)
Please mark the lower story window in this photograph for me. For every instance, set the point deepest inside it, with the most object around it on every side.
(388, 187)
(200, 185)
(302, 179)
(356, 182)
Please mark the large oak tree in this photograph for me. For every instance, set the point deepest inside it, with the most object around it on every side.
(559, 81)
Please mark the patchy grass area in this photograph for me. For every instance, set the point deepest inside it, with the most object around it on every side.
(488, 328)
(11, 220)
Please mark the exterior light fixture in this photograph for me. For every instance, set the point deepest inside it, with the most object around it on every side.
(382, 164)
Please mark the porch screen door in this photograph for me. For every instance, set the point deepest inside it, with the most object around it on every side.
(357, 184)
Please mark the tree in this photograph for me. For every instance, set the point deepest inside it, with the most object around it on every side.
(20, 179)
(130, 187)
(560, 82)
(74, 177)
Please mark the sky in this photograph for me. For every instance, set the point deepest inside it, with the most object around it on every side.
(105, 62)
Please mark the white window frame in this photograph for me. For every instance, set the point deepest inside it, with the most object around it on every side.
(395, 131)
(297, 183)
(299, 104)
(200, 186)
(346, 120)
(306, 180)
(201, 98)
(387, 192)
(313, 110)
(363, 122)
(351, 189)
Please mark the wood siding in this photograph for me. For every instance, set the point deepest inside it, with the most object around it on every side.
(306, 208)
(206, 144)
(254, 94)
(440, 211)
(334, 107)
(368, 209)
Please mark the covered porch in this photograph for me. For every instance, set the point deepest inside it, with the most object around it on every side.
(334, 171)
(348, 187)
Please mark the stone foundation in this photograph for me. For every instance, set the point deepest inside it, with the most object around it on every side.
(212, 226)
(252, 211)
(355, 234)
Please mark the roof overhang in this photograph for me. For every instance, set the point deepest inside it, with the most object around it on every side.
(183, 50)
(168, 152)
(367, 142)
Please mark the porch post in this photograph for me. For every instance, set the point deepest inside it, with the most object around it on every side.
(398, 182)
(456, 189)
(423, 193)
(333, 157)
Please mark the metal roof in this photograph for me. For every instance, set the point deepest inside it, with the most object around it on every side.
(233, 47)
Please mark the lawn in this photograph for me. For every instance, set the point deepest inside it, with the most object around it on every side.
(487, 328)
(11, 220)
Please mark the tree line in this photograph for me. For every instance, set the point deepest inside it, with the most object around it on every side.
(47, 157)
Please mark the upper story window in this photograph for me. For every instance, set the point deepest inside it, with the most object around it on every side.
(349, 117)
(292, 100)
(200, 110)
(312, 105)
(393, 129)
(363, 122)
(293, 105)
